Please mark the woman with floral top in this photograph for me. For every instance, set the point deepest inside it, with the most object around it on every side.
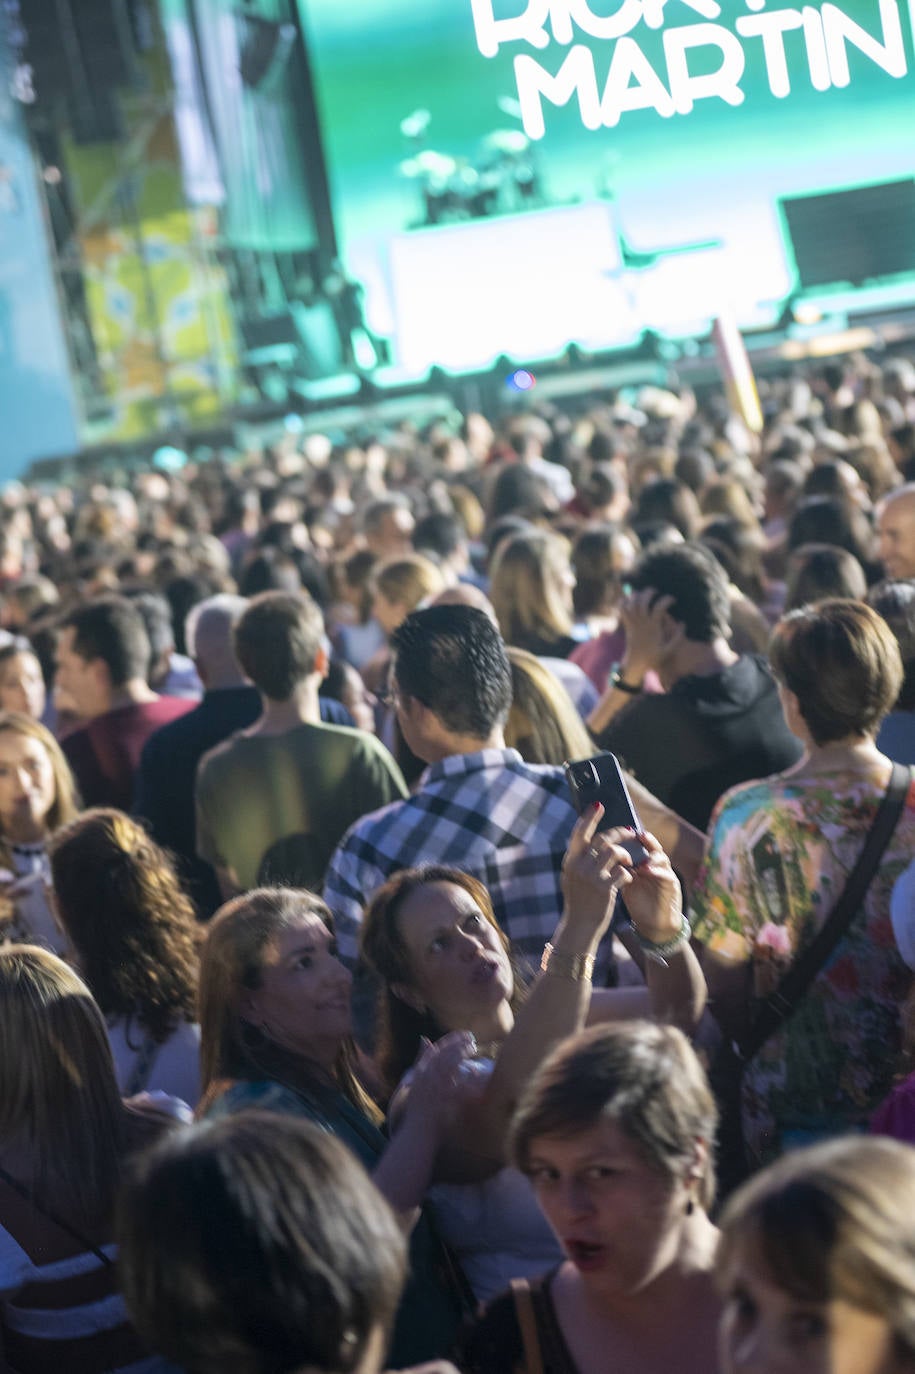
(779, 854)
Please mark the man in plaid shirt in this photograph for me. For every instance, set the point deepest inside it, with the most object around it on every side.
(480, 807)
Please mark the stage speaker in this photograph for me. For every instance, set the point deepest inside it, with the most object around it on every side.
(852, 236)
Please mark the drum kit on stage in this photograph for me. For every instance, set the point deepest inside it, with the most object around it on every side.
(501, 179)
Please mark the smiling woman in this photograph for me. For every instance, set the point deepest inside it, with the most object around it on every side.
(37, 797)
(22, 686)
(276, 1034)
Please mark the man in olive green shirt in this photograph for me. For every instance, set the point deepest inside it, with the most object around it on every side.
(274, 800)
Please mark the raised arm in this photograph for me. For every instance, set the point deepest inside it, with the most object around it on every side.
(675, 986)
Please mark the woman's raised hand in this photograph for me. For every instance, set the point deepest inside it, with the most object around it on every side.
(592, 874)
(651, 891)
(443, 1080)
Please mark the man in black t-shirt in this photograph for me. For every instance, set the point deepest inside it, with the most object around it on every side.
(719, 720)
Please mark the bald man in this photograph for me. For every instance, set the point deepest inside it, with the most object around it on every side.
(896, 533)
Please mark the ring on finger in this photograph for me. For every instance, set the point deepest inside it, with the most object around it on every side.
(594, 852)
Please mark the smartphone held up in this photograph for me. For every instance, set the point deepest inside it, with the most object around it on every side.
(600, 779)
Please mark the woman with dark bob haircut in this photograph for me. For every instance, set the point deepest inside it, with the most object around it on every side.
(779, 855)
(817, 1263)
(259, 1245)
(616, 1133)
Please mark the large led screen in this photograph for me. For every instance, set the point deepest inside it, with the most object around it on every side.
(512, 176)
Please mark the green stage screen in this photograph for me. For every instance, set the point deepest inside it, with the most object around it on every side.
(512, 176)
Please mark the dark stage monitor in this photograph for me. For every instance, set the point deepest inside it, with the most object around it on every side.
(853, 236)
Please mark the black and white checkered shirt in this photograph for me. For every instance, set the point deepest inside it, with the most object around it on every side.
(490, 814)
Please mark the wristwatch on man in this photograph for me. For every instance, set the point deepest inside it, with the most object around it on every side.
(619, 683)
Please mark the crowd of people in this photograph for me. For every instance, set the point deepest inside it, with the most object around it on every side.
(332, 1036)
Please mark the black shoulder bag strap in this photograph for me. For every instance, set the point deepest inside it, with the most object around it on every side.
(781, 1003)
(732, 1061)
(56, 1220)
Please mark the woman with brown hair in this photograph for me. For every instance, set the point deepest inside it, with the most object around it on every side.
(446, 966)
(276, 1035)
(22, 685)
(323, 1259)
(616, 1134)
(780, 853)
(37, 797)
(602, 556)
(817, 1264)
(135, 938)
(64, 1136)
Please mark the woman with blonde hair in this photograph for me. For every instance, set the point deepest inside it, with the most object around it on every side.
(135, 937)
(543, 724)
(531, 591)
(400, 586)
(37, 797)
(817, 1263)
(64, 1136)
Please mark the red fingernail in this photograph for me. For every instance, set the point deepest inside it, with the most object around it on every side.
(597, 807)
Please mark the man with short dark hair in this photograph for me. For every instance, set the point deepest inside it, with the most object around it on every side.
(274, 799)
(719, 721)
(165, 781)
(479, 806)
(103, 656)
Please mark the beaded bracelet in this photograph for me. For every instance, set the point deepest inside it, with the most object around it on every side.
(660, 952)
(578, 967)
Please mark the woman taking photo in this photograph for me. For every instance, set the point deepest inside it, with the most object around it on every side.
(431, 936)
(817, 1264)
(779, 855)
(37, 796)
(64, 1137)
(135, 939)
(616, 1133)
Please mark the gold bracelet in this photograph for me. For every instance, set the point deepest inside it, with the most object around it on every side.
(578, 967)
